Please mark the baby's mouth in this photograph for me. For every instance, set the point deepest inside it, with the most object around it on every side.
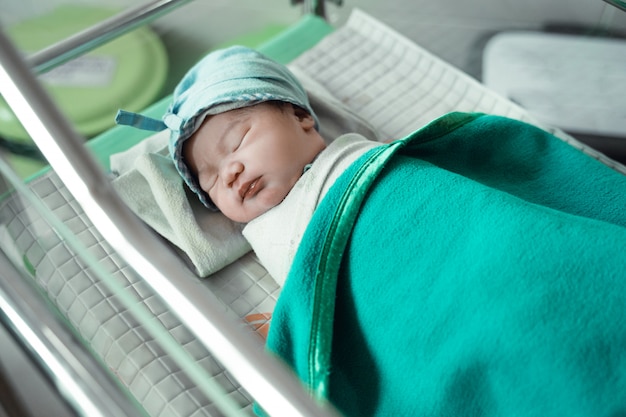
(249, 189)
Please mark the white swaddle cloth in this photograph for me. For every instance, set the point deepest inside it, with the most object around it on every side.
(275, 235)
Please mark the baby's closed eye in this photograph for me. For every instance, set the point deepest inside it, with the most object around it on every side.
(239, 142)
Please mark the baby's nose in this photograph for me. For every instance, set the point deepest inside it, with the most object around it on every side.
(231, 171)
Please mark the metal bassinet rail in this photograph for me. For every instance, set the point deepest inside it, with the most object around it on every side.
(266, 379)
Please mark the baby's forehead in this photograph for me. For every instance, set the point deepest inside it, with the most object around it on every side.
(216, 127)
(217, 132)
(224, 120)
(231, 119)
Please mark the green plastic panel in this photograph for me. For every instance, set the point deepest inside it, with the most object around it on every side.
(127, 72)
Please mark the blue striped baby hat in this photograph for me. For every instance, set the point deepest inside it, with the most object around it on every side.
(224, 80)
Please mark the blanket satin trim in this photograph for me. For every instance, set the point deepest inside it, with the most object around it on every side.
(336, 238)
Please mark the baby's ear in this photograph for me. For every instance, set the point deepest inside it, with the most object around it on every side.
(305, 119)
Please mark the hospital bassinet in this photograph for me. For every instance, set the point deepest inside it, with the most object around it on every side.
(173, 344)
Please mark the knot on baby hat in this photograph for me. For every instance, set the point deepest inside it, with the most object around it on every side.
(224, 80)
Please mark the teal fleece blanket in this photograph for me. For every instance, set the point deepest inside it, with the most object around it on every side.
(473, 268)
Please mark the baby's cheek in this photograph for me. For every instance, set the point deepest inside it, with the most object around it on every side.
(271, 197)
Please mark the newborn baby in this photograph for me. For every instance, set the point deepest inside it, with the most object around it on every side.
(242, 134)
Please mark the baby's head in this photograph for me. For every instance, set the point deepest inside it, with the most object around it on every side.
(247, 160)
(246, 132)
(242, 132)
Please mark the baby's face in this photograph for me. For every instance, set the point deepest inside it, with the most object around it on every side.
(247, 160)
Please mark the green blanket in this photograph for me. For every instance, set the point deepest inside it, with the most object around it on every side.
(474, 268)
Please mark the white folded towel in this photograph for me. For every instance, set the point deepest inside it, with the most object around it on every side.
(148, 182)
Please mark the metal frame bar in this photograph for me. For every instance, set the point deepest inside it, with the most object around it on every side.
(67, 365)
(267, 379)
(316, 7)
(99, 34)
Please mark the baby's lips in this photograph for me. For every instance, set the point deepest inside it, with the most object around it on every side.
(248, 188)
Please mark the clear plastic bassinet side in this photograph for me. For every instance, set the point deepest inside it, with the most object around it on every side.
(112, 317)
